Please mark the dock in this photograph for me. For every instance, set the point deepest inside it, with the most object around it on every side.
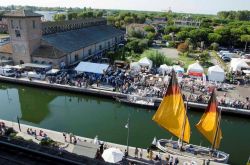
(86, 147)
(109, 93)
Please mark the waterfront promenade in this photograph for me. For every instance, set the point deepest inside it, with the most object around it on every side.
(86, 147)
(107, 93)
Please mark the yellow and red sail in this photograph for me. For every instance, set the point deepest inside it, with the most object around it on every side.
(171, 113)
(209, 124)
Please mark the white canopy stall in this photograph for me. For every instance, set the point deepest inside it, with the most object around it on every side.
(145, 62)
(237, 64)
(165, 69)
(216, 73)
(195, 69)
(91, 67)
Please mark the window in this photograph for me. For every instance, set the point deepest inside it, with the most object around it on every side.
(20, 25)
(76, 57)
(89, 52)
(100, 47)
(12, 24)
(17, 33)
(33, 24)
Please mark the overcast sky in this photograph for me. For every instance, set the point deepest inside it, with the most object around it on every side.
(189, 6)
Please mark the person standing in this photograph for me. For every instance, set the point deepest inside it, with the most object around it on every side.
(141, 153)
(136, 152)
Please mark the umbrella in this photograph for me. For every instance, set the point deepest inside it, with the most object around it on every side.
(112, 155)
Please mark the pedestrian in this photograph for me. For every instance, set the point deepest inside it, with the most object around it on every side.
(141, 153)
(171, 160)
(64, 135)
(176, 161)
(136, 152)
(35, 134)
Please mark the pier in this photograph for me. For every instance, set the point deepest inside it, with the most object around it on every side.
(86, 147)
(108, 93)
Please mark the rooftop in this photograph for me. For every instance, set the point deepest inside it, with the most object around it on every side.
(46, 51)
(76, 39)
(22, 13)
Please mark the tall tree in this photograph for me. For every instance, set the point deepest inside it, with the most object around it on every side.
(245, 38)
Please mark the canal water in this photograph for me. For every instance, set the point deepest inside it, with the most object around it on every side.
(90, 116)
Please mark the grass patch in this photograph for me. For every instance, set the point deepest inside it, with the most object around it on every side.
(186, 61)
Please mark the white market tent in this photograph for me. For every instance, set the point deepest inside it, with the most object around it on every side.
(91, 67)
(195, 69)
(145, 62)
(237, 64)
(165, 69)
(178, 69)
(216, 73)
(135, 66)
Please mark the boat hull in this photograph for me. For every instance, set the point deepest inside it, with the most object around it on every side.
(192, 151)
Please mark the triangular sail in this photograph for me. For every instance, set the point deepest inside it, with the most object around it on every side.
(171, 113)
(209, 124)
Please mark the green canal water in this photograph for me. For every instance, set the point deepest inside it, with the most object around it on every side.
(90, 116)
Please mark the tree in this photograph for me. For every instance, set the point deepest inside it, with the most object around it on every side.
(72, 16)
(182, 35)
(167, 37)
(128, 19)
(214, 37)
(149, 28)
(157, 58)
(59, 17)
(214, 46)
(150, 36)
(245, 38)
(182, 47)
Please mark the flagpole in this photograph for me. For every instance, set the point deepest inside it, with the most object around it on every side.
(128, 135)
(217, 129)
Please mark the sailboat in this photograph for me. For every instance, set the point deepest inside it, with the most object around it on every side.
(172, 116)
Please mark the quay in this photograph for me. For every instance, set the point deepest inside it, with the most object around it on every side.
(108, 93)
(87, 148)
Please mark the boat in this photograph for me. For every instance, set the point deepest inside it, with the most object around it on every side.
(138, 102)
(172, 116)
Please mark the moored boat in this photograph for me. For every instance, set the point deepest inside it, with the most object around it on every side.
(172, 116)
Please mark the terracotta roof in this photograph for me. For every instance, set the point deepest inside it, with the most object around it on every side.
(22, 13)
(46, 51)
(6, 48)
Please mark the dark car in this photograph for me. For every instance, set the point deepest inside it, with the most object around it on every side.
(226, 59)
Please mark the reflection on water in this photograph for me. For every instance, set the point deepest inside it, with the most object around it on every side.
(90, 116)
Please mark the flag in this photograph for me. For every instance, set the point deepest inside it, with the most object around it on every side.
(126, 126)
(209, 124)
(171, 114)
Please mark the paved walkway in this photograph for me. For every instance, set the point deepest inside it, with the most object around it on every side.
(86, 147)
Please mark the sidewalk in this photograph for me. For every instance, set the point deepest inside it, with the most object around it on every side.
(86, 147)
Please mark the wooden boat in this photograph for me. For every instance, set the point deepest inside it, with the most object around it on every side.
(172, 116)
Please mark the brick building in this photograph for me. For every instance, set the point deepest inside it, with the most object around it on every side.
(56, 43)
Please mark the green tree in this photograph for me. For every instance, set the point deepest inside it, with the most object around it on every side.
(182, 35)
(72, 16)
(150, 36)
(245, 38)
(59, 17)
(167, 37)
(214, 37)
(149, 28)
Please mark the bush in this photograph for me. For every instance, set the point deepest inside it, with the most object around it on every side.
(172, 44)
(10, 131)
(47, 142)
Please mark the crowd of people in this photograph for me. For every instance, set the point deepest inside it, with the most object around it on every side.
(146, 83)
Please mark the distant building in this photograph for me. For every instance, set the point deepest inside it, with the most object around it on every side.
(187, 22)
(3, 26)
(56, 43)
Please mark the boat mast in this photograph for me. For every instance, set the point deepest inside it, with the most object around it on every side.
(217, 129)
(184, 125)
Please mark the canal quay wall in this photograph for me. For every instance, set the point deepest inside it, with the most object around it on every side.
(86, 147)
(111, 94)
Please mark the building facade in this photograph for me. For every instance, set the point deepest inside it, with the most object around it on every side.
(56, 43)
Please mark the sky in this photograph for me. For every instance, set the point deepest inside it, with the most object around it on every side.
(185, 6)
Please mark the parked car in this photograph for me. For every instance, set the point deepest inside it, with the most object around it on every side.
(226, 59)
(7, 72)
